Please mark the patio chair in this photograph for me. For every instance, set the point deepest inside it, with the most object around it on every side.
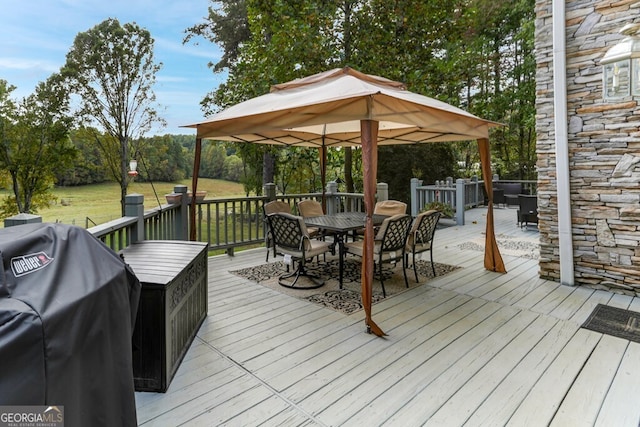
(389, 245)
(292, 240)
(420, 238)
(498, 197)
(390, 207)
(385, 207)
(309, 208)
(527, 210)
(267, 209)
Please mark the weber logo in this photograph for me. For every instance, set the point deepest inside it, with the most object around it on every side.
(29, 263)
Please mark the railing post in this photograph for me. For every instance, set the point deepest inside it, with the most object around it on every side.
(460, 201)
(476, 191)
(182, 219)
(21, 219)
(415, 209)
(270, 191)
(134, 206)
(382, 190)
(330, 198)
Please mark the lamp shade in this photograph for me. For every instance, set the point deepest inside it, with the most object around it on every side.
(621, 65)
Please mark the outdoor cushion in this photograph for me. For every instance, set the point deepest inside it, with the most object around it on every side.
(390, 207)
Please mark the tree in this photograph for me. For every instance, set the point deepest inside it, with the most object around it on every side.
(112, 70)
(260, 51)
(161, 158)
(511, 40)
(233, 168)
(34, 144)
(429, 162)
(226, 25)
(212, 162)
(89, 166)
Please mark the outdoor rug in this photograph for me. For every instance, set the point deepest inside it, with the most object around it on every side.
(614, 321)
(348, 299)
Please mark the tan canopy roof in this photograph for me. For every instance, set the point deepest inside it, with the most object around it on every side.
(325, 110)
(343, 107)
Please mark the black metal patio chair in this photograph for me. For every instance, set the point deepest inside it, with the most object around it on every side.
(291, 239)
(389, 245)
(420, 238)
(267, 209)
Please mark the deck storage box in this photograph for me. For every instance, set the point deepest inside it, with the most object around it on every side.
(67, 307)
(173, 305)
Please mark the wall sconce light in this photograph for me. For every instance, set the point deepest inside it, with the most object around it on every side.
(621, 65)
(133, 166)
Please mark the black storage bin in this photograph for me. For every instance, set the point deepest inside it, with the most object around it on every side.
(173, 305)
(67, 307)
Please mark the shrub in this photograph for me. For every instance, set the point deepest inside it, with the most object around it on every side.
(445, 209)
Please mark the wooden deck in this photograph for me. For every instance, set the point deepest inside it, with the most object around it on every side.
(470, 348)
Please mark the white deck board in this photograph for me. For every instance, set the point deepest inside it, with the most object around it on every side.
(616, 410)
(482, 343)
(473, 347)
(541, 403)
(582, 404)
(458, 409)
(496, 410)
(401, 373)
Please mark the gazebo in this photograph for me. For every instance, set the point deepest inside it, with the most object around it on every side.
(344, 107)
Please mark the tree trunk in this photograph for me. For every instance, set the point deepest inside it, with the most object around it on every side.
(348, 169)
(268, 168)
(124, 149)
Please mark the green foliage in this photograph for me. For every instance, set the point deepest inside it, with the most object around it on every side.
(112, 70)
(428, 162)
(251, 156)
(162, 158)
(299, 170)
(233, 168)
(445, 209)
(212, 161)
(34, 144)
(89, 165)
(39, 201)
(505, 45)
(226, 25)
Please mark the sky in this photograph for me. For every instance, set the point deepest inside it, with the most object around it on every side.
(35, 36)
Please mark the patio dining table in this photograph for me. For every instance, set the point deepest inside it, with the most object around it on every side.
(340, 224)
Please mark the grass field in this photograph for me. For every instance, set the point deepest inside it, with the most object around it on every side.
(100, 203)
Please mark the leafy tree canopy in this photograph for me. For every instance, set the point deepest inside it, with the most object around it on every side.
(34, 144)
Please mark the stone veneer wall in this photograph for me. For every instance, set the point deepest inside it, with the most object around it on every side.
(604, 150)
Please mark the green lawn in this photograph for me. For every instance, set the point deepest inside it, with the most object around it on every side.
(101, 202)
